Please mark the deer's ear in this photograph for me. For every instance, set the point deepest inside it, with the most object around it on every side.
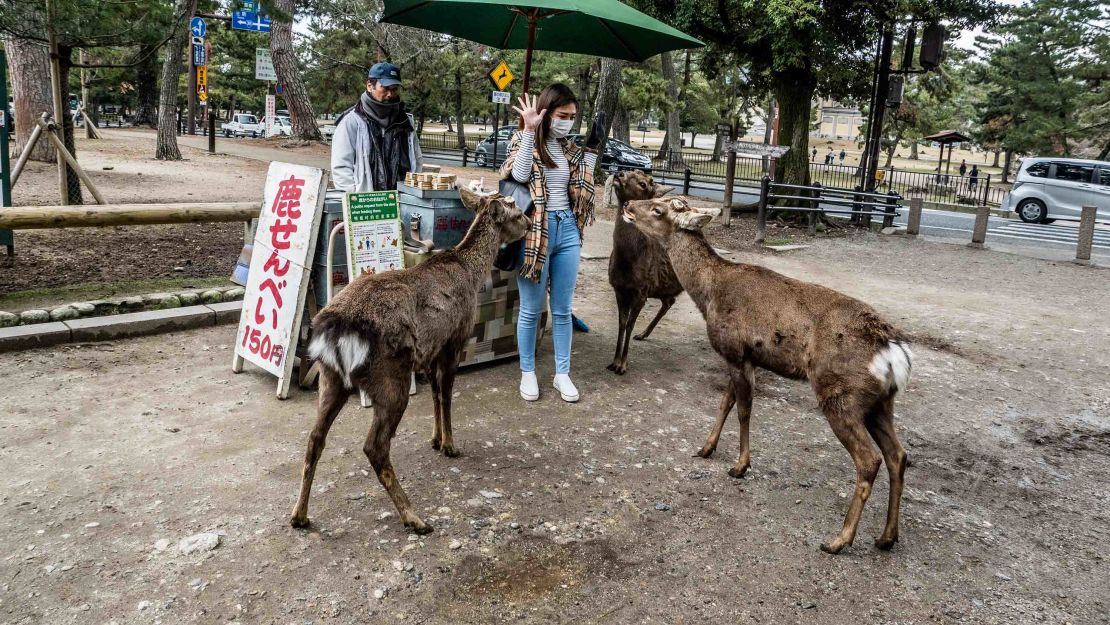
(662, 190)
(470, 199)
(692, 220)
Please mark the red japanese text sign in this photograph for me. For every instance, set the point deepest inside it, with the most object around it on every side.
(284, 242)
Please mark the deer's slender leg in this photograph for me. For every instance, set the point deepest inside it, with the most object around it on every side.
(743, 381)
(728, 400)
(881, 427)
(432, 373)
(623, 305)
(332, 397)
(633, 313)
(391, 397)
(847, 418)
(666, 305)
(448, 364)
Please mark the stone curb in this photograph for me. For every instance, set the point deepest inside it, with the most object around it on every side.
(118, 326)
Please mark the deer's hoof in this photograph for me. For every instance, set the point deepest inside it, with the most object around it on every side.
(884, 543)
(435, 444)
(420, 528)
(299, 522)
(639, 337)
(451, 452)
(706, 452)
(833, 549)
(617, 368)
(737, 472)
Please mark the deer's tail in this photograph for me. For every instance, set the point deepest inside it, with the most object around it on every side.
(892, 365)
(341, 349)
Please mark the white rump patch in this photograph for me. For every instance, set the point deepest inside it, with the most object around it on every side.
(892, 366)
(342, 356)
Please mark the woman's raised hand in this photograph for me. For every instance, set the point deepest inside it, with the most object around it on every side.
(528, 112)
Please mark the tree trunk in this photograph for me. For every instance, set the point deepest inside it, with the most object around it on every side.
(286, 66)
(1105, 152)
(608, 94)
(459, 100)
(913, 151)
(584, 75)
(1006, 166)
(167, 149)
(995, 164)
(146, 88)
(718, 147)
(769, 122)
(794, 94)
(73, 181)
(621, 119)
(672, 140)
(30, 76)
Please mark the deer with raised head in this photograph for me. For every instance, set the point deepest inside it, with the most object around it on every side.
(855, 361)
(383, 326)
(638, 267)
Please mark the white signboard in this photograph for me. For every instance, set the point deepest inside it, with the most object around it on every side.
(373, 225)
(264, 65)
(758, 149)
(271, 112)
(284, 243)
(500, 97)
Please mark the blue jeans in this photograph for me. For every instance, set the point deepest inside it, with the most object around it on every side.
(564, 246)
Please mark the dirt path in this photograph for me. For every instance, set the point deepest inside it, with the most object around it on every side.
(112, 453)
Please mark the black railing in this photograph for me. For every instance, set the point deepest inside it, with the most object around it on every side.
(817, 200)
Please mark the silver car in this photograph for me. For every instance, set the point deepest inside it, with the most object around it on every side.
(1049, 188)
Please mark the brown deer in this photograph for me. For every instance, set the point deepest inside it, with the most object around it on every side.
(382, 327)
(855, 361)
(638, 267)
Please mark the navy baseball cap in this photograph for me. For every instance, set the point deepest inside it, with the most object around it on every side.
(387, 74)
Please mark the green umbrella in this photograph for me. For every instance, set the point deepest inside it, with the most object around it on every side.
(596, 27)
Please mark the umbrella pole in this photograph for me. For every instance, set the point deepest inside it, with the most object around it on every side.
(528, 53)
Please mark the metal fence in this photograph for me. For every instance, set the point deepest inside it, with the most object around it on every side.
(818, 199)
(696, 165)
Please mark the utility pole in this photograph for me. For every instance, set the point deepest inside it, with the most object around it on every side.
(878, 109)
(56, 86)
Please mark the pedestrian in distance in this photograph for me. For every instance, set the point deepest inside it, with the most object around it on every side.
(963, 167)
(842, 155)
(559, 176)
(973, 179)
(375, 142)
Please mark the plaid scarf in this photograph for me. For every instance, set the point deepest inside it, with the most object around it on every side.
(580, 190)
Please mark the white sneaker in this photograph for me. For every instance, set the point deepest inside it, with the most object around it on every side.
(529, 386)
(566, 388)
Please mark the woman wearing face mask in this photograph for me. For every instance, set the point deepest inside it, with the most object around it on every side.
(559, 175)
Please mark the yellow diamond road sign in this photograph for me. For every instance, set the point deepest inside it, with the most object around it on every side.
(501, 76)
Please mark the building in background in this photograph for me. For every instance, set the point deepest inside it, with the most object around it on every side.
(839, 121)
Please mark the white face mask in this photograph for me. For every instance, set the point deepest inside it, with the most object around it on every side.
(561, 127)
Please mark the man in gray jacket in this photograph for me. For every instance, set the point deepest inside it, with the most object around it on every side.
(375, 142)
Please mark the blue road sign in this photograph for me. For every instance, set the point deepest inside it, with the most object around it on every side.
(198, 27)
(200, 56)
(245, 20)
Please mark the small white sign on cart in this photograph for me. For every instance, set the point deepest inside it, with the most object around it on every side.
(373, 226)
(284, 243)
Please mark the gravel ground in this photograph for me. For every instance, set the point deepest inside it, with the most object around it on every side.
(111, 454)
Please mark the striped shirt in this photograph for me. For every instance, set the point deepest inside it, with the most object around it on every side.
(557, 178)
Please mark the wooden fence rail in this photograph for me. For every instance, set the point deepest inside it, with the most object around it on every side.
(38, 217)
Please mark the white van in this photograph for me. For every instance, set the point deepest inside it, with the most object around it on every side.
(1047, 188)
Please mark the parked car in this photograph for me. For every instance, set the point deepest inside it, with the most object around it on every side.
(243, 125)
(1048, 188)
(483, 154)
(619, 156)
(328, 131)
(283, 126)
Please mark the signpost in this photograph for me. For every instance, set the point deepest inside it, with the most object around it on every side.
(271, 112)
(373, 224)
(284, 243)
(247, 20)
(202, 84)
(758, 149)
(198, 27)
(200, 54)
(264, 65)
(501, 77)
